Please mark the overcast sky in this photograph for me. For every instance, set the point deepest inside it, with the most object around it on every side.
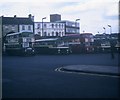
(93, 14)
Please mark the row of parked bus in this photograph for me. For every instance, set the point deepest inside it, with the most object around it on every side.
(25, 44)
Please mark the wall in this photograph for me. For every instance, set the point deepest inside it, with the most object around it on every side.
(9, 28)
(0, 27)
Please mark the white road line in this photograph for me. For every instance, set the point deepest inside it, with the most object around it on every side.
(83, 73)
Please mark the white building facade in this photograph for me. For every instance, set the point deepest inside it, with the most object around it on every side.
(49, 29)
(71, 27)
(26, 28)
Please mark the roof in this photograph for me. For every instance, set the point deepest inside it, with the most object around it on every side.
(64, 21)
(73, 34)
(86, 34)
(13, 34)
(114, 34)
(22, 33)
(48, 22)
(48, 39)
(16, 20)
(54, 14)
(77, 35)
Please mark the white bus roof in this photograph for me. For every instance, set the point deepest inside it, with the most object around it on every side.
(16, 33)
(49, 39)
(13, 34)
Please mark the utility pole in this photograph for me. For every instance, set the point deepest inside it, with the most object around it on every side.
(42, 24)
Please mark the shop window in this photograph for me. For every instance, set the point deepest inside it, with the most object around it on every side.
(29, 27)
(45, 33)
(38, 26)
(45, 25)
(56, 25)
(23, 27)
(52, 33)
(52, 25)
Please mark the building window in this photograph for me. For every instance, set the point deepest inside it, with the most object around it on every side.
(45, 33)
(6, 27)
(57, 34)
(13, 27)
(23, 27)
(62, 26)
(52, 25)
(28, 39)
(29, 27)
(60, 34)
(52, 33)
(39, 33)
(59, 25)
(48, 34)
(45, 25)
(86, 39)
(56, 25)
(38, 26)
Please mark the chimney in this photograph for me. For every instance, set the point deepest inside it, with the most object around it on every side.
(29, 15)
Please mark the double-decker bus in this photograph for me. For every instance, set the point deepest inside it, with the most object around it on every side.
(19, 43)
(50, 46)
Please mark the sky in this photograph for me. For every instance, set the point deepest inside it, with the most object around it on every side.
(93, 14)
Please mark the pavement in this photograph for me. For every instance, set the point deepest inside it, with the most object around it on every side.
(94, 69)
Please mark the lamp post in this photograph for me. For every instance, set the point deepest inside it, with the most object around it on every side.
(42, 24)
(111, 43)
(104, 30)
(76, 24)
(110, 29)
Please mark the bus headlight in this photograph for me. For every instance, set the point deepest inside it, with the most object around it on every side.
(67, 51)
(33, 50)
(58, 50)
(25, 50)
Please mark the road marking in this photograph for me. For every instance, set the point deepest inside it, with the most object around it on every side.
(83, 73)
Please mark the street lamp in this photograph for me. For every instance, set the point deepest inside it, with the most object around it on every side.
(76, 24)
(104, 30)
(111, 43)
(42, 24)
(110, 29)
(77, 19)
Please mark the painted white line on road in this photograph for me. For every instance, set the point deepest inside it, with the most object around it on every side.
(83, 73)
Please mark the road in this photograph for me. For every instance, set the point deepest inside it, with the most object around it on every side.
(35, 77)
